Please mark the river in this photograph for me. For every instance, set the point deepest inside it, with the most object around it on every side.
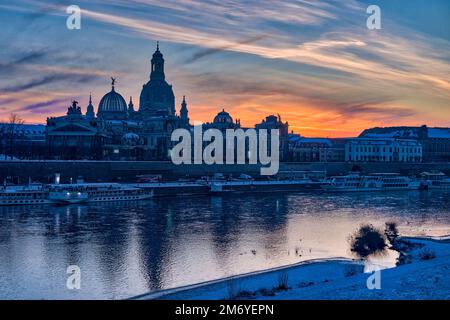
(125, 249)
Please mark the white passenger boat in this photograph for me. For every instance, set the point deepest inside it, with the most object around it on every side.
(70, 193)
(218, 187)
(67, 197)
(96, 192)
(374, 182)
(436, 180)
(30, 194)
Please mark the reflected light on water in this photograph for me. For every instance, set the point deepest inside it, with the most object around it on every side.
(129, 248)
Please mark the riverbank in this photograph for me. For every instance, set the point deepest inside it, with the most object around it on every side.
(425, 275)
(126, 171)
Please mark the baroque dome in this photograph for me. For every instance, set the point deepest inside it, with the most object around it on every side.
(112, 106)
(223, 117)
(157, 98)
(130, 139)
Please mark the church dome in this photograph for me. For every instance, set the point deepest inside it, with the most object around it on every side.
(112, 106)
(223, 117)
(112, 102)
(130, 139)
(157, 97)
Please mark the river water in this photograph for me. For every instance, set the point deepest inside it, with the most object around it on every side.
(129, 248)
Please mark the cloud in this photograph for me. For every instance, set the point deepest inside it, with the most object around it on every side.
(49, 79)
(206, 52)
(30, 57)
(40, 105)
(234, 87)
(400, 60)
(376, 109)
(231, 12)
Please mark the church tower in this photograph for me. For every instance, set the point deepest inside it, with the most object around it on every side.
(90, 109)
(157, 98)
(131, 106)
(157, 72)
(184, 113)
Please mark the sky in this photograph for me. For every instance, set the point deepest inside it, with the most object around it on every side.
(313, 62)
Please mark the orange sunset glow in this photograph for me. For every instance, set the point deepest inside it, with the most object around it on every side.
(315, 64)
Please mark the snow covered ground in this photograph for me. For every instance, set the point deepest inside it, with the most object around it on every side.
(426, 275)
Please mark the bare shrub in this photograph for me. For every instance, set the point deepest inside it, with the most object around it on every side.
(427, 254)
(283, 279)
(403, 259)
(367, 240)
(391, 231)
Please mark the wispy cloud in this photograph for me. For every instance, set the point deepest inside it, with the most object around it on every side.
(400, 60)
(207, 52)
(37, 82)
(30, 57)
(39, 105)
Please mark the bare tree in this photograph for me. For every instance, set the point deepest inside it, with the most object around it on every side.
(13, 122)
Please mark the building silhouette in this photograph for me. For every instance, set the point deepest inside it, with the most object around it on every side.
(119, 132)
(435, 142)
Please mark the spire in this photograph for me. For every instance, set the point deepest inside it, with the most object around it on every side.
(183, 106)
(184, 112)
(130, 105)
(157, 72)
(113, 82)
(90, 108)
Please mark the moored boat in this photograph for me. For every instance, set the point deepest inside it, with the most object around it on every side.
(436, 180)
(373, 182)
(218, 187)
(79, 192)
(30, 194)
(66, 197)
(96, 192)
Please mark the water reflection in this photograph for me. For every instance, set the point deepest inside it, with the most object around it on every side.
(128, 248)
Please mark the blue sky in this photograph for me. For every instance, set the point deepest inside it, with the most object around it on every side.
(314, 62)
